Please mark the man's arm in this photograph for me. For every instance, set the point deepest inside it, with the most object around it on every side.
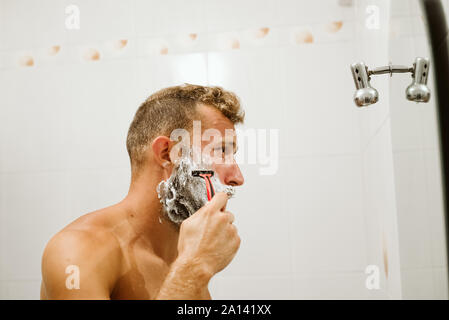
(207, 243)
(185, 280)
(78, 264)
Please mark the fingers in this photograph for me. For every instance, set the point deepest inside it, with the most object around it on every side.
(218, 202)
(230, 216)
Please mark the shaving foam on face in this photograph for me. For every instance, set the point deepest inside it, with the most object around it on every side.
(183, 194)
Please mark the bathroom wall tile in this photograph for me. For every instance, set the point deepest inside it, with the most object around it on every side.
(326, 235)
(299, 12)
(372, 30)
(249, 73)
(309, 180)
(260, 37)
(262, 226)
(318, 93)
(251, 287)
(20, 17)
(23, 289)
(440, 283)
(234, 15)
(103, 19)
(401, 27)
(418, 284)
(405, 115)
(118, 48)
(373, 117)
(3, 238)
(114, 102)
(415, 7)
(152, 18)
(152, 75)
(37, 126)
(411, 193)
(336, 31)
(301, 232)
(231, 70)
(3, 290)
(34, 210)
(445, 7)
(422, 48)
(373, 49)
(3, 113)
(418, 23)
(435, 207)
(330, 285)
(328, 243)
(2, 60)
(380, 208)
(45, 22)
(438, 241)
(402, 52)
(54, 53)
(179, 43)
(400, 8)
(428, 114)
(157, 72)
(90, 190)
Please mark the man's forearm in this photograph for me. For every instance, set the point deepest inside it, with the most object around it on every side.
(185, 281)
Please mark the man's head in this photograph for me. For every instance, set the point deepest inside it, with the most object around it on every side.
(148, 142)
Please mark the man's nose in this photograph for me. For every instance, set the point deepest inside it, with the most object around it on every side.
(233, 176)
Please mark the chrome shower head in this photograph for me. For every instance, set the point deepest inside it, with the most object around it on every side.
(418, 90)
(365, 94)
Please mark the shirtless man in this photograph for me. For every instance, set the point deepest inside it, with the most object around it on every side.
(126, 251)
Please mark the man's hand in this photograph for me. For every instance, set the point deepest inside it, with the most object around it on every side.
(208, 237)
(208, 241)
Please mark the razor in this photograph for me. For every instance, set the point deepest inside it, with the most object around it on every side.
(206, 175)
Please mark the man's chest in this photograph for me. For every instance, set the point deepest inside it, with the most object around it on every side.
(142, 277)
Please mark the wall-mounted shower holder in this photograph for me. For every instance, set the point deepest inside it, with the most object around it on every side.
(417, 91)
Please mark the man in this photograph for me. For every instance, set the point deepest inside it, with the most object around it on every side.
(131, 250)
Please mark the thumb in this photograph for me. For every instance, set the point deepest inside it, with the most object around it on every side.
(218, 202)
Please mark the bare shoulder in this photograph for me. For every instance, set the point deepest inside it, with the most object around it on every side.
(87, 250)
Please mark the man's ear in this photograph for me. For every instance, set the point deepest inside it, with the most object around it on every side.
(161, 147)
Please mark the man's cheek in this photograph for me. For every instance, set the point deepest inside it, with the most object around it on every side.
(212, 157)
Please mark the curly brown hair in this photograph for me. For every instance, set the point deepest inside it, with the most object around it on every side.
(172, 108)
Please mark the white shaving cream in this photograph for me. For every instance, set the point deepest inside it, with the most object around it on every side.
(183, 194)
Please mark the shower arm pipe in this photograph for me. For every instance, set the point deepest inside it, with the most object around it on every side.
(390, 69)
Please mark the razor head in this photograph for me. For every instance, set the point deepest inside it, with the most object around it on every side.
(206, 175)
(199, 173)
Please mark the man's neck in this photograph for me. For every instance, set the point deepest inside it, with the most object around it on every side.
(144, 215)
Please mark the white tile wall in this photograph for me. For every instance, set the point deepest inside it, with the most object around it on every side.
(255, 76)
(380, 209)
(22, 290)
(435, 208)
(342, 197)
(440, 283)
(252, 287)
(418, 283)
(331, 285)
(324, 202)
(319, 115)
(414, 135)
(262, 227)
(89, 190)
(414, 226)
(154, 19)
(34, 209)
